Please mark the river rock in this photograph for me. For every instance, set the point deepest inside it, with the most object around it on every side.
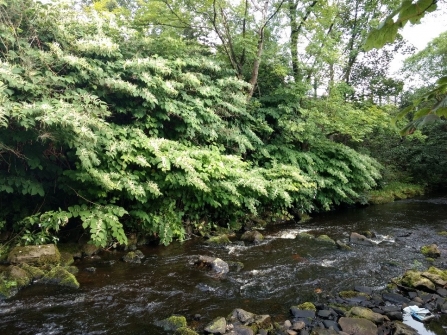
(218, 240)
(357, 238)
(395, 298)
(241, 330)
(252, 236)
(357, 326)
(325, 239)
(431, 250)
(436, 276)
(342, 246)
(133, 257)
(414, 279)
(35, 255)
(403, 329)
(368, 314)
(172, 323)
(60, 276)
(185, 331)
(89, 250)
(217, 265)
(217, 326)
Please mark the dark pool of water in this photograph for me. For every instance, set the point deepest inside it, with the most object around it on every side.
(122, 298)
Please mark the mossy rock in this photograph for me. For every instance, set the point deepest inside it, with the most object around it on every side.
(132, 257)
(325, 239)
(19, 275)
(218, 240)
(431, 251)
(368, 314)
(185, 331)
(305, 235)
(436, 271)
(414, 279)
(34, 272)
(217, 326)
(72, 269)
(60, 276)
(443, 233)
(353, 294)
(35, 255)
(307, 306)
(172, 323)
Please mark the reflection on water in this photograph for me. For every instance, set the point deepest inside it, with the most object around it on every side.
(282, 271)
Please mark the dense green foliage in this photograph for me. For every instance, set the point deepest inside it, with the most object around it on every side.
(116, 129)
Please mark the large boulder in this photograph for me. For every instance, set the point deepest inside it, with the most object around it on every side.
(35, 255)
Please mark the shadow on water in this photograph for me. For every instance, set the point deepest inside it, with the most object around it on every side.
(282, 271)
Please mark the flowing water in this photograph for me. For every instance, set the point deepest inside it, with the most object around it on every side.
(121, 298)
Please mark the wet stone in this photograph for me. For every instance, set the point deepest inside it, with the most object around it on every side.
(364, 289)
(298, 325)
(395, 298)
(442, 292)
(300, 313)
(331, 325)
(324, 314)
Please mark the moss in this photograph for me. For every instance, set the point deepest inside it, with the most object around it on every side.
(352, 294)
(185, 331)
(308, 306)
(60, 276)
(72, 269)
(218, 240)
(443, 233)
(325, 239)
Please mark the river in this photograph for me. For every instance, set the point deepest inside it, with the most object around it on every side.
(122, 298)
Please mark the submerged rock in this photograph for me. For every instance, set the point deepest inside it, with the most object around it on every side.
(35, 255)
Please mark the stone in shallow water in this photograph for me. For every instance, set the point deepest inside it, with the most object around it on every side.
(301, 313)
(395, 298)
(357, 238)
